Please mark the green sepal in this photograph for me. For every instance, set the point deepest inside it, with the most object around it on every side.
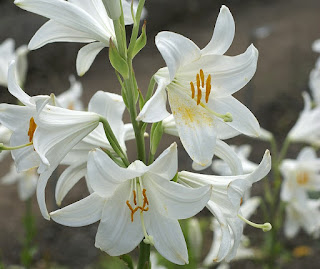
(127, 260)
(117, 61)
(175, 178)
(141, 41)
(155, 136)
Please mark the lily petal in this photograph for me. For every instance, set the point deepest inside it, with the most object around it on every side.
(223, 33)
(86, 56)
(81, 213)
(169, 44)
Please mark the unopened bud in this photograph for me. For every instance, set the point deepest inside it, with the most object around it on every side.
(113, 8)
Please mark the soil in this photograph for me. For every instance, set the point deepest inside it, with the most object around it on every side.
(274, 96)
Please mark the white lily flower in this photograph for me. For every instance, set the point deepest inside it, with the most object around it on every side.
(316, 46)
(226, 195)
(200, 84)
(243, 152)
(111, 107)
(75, 21)
(27, 181)
(120, 193)
(195, 239)
(307, 127)
(304, 213)
(314, 81)
(7, 54)
(5, 135)
(300, 175)
(243, 252)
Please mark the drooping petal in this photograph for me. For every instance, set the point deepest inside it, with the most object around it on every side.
(168, 237)
(67, 14)
(242, 118)
(104, 175)
(41, 195)
(166, 165)
(195, 126)
(172, 200)
(14, 117)
(86, 56)
(68, 179)
(155, 109)
(53, 31)
(176, 50)
(117, 234)
(223, 33)
(81, 213)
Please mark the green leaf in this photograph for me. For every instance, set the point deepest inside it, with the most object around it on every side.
(155, 136)
(117, 61)
(141, 41)
(127, 260)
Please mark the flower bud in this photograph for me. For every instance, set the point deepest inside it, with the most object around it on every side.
(113, 8)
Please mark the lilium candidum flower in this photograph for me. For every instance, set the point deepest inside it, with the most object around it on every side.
(135, 203)
(200, 84)
(7, 54)
(75, 21)
(300, 175)
(226, 196)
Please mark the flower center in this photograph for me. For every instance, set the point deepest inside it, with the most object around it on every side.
(202, 85)
(32, 128)
(137, 207)
(302, 178)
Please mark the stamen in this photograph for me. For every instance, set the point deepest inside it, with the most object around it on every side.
(32, 128)
(202, 78)
(142, 208)
(134, 197)
(302, 178)
(266, 227)
(199, 95)
(192, 89)
(198, 81)
(208, 88)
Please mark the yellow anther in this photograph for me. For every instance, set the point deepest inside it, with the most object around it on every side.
(192, 89)
(302, 178)
(32, 128)
(208, 88)
(198, 81)
(142, 208)
(202, 78)
(199, 95)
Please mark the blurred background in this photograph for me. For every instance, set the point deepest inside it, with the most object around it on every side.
(282, 30)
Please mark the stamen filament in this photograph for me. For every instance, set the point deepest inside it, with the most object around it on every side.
(3, 147)
(226, 117)
(265, 227)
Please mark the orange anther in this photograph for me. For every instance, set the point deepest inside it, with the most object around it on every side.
(143, 208)
(198, 81)
(208, 88)
(192, 89)
(302, 178)
(134, 197)
(199, 95)
(145, 199)
(202, 78)
(32, 128)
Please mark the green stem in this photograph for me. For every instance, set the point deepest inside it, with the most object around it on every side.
(152, 83)
(144, 256)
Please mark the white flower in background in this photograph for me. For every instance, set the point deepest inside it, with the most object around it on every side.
(307, 127)
(265, 135)
(243, 152)
(75, 21)
(111, 107)
(316, 46)
(194, 237)
(243, 252)
(200, 84)
(314, 83)
(27, 181)
(300, 175)
(7, 54)
(226, 196)
(154, 261)
(5, 135)
(120, 193)
(304, 213)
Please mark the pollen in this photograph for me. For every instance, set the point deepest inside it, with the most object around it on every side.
(137, 207)
(203, 84)
(32, 128)
(302, 178)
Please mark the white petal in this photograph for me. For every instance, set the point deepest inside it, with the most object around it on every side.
(176, 50)
(155, 109)
(14, 88)
(52, 31)
(166, 165)
(86, 56)
(67, 14)
(68, 179)
(71, 98)
(27, 184)
(172, 200)
(168, 237)
(14, 116)
(242, 118)
(195, 126)
(316, 46)
(81, 213)
(104, 175)
(11, 177)
(117, 234)
(223, 33)
(41, 195)
(21, 64)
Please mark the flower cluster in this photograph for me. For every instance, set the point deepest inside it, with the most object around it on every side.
(138, 202)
